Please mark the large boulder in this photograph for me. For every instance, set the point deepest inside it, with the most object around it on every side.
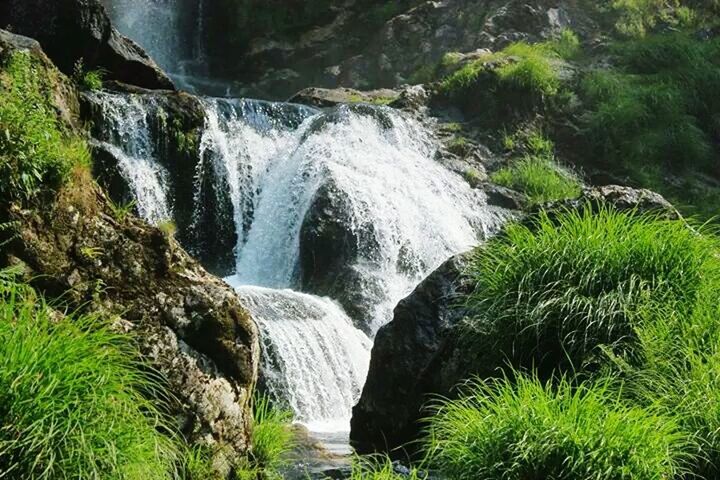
(386, 416)
(417, 355)
(74, 30)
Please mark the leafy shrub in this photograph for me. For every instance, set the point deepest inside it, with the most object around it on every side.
(531, 431)
(70, 399)
(35, 151)
(547, 295)
(635, 18)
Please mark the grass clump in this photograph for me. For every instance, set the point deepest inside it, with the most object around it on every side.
(272, 438)
(36, 152)
(519, 66)
(380, 468)
(538, 178)
(548, 295)
(533, 431)
(536, 173)
(71, 402)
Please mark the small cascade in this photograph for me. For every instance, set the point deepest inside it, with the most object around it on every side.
(171, 31)
(314, 359)
(125, 134)
(241, 139)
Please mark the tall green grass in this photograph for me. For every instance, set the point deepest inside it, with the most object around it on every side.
(272, 437)
(536, 172)
(71, 399)
(526, 430)
(548, 294)
(655, 108)
(36, 151)
(380, 468)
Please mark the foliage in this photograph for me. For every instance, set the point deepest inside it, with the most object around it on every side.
(520, 66)
(654, 109)
(168, 228)
(36, 152)
(548, 294)
(538, 178)
(121, 211)
(70, 399)
(379, 468)
(272, 438)
(536, 173)
(88, 79)
(636, 18)
(533, 431)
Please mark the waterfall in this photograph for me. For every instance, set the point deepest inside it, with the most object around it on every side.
(285, 171)
(171, 31)
(313, 357)
(126, 135)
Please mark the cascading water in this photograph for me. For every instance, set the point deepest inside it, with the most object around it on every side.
(171, 31)
(126, 135)
(402, 212)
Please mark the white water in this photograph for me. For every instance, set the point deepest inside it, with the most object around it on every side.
(313, 356)
(125, 134)
(418, 212)
(273, 159)
(170, 31)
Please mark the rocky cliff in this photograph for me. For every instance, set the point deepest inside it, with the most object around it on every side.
(89, 254)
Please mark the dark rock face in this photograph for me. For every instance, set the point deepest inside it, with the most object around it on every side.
(330, 246)
(417, 355)
(386, 416)
(70, 30)
(370, 44)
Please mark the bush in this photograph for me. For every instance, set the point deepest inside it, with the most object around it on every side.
(36, 152)
(70, 399)
(529, 431)
(547, 295)
(519, 66)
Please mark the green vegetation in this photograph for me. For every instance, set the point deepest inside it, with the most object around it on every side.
(121, 211)
(550, 294)
(654, 108)
(536, 173)
(36, 152)
(71, 402)
(527, 430)
(168, 228)
(379, 468)
(635, 18)
(518, 67)
(616, 315)
(272, 438)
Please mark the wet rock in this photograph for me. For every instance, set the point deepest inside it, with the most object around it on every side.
(73, 30)
(331, 244)
(387, 415)
(324, 97)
